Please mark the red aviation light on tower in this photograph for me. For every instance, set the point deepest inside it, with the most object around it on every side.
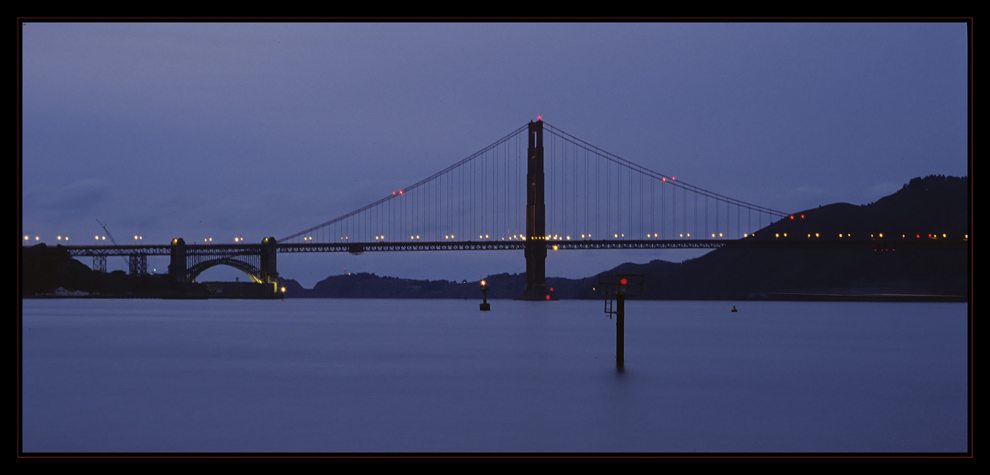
(539, 118)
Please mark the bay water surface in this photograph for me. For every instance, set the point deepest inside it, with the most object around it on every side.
(439, 376)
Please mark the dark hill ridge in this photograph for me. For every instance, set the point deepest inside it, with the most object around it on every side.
(932, 205)
(935, 205)
(51, 271)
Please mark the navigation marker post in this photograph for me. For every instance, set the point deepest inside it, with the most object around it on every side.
(484, 293)
(617, 287)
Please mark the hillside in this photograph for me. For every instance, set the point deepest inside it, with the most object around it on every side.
(52, 272)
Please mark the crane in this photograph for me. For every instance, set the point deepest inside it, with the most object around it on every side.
(114, 241)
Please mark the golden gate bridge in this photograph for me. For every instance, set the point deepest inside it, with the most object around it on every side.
(536, 189)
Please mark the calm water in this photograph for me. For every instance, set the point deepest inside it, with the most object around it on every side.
(329, 375)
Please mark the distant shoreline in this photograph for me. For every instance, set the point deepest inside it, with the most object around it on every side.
(771, 297)
(806, 297)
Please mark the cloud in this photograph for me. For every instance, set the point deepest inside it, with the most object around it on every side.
(81, 196)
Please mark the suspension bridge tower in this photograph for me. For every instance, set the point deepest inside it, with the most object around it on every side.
(536, 246)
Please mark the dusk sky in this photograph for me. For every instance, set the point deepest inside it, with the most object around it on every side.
(258, 129)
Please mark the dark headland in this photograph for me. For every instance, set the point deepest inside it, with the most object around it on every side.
(934, 211)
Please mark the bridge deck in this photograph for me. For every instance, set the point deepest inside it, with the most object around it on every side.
(193, 249)
(620, 244)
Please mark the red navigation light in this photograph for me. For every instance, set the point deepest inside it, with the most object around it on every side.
(393, 193)
(792, 217)
(400, 192)
(802, 216)
(664, 179)
(539, 118)
(548, 296)
(623, 281)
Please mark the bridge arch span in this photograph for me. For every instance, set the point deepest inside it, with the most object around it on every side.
(252, 271)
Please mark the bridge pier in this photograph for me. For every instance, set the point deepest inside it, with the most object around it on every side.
(177, 260)
(137, 264)
(269, 268)
(535, 248)
(100, 263)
